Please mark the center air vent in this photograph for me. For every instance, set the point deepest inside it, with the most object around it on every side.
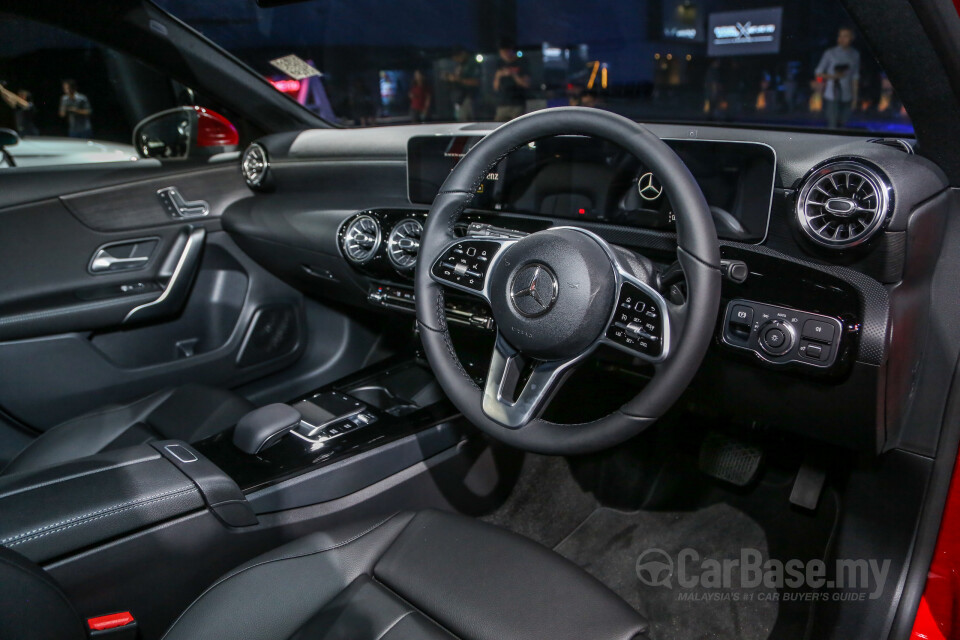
(843, 204)
(403, 244)
(361, 239)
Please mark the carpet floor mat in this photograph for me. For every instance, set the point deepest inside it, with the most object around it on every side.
(638, 555)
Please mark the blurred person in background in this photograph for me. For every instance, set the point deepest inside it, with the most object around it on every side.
(840, 70)
(510, 83)
(464, 85)
(420, 97)
(23, 110)
(363, 108)
(75, 107)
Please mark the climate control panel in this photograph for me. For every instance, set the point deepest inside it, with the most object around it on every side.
(781, 335)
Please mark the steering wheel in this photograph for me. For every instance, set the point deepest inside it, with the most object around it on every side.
(556, 295)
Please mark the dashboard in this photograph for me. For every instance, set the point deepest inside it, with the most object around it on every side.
(823, 239)
(580, 178)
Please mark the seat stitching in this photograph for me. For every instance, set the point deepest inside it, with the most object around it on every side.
(27, 537)
(414, 607)
(93, 513)
(272, 560)
(74, 476)
(395, 623)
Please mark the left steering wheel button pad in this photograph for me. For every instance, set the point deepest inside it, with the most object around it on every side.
(466, 263)
(637, 323)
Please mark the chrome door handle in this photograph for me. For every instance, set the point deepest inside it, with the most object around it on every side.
(103, 261)
(178, 207)
(186, 253)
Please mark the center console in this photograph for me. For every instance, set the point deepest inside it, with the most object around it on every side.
(184, 514)
(349, 435)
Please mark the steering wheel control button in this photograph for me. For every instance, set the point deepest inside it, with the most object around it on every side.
(637, 323)
(466, 263)
(819, 331)
(781, 335)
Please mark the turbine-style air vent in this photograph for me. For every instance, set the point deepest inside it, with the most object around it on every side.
(403, 244)
(894, 143)
(843, 204)
(254, 165)
(361, 239)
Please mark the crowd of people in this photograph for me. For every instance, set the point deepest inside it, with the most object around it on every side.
(731, 89)
(469, 90)
(74, 108)
(509, 86)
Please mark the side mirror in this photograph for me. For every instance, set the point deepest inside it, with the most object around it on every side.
(184, 132)
(8, 138)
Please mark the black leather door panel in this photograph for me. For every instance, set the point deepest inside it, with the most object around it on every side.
(75, 338)
(44, 381)
(45, 252)
(136, 205)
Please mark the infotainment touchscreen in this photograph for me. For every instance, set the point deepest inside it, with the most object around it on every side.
(576, 177)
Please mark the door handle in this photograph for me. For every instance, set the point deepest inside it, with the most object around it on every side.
(124, 255)
(103, 261)
(184, 265)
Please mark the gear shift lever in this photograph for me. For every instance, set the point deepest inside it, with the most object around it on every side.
(264, 427)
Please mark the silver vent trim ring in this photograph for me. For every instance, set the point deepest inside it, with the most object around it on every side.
(361, 239)
(403, 244)
(254, 165)
(843, 204)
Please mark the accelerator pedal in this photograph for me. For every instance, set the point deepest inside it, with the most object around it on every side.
(729, 459)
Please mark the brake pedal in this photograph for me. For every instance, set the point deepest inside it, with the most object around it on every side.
(729, 459)
(808, 486)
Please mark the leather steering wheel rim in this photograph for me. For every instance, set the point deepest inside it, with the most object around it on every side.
(697, 252)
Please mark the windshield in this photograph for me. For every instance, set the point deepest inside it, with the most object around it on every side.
(367, 63)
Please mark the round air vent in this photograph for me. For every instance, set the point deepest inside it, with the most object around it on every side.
(403, 244)
(843, 204)
(254, 165)
(361, 239)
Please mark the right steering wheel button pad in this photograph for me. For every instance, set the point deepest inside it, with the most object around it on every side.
(466, 263)
(637, 323)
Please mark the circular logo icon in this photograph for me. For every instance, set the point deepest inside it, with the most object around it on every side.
(649, 187)
(534, 290)
(655, 568)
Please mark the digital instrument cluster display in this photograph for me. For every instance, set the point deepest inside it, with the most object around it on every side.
(576, 177)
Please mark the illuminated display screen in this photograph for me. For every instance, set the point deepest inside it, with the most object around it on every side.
(738, 33)
(580, 178)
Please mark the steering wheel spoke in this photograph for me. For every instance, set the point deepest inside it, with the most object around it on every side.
(517, 388)
(466, 263)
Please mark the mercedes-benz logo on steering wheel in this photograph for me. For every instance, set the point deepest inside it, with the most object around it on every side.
(649, 187)
(534, 290)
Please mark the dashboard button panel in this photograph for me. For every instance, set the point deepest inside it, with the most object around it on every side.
(781, 335)
(466, 263)
(637, 323)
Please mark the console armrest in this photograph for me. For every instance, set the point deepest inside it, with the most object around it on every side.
(51, 512)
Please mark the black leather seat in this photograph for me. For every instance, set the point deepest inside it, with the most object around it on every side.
(425, 575)
(190, 413)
